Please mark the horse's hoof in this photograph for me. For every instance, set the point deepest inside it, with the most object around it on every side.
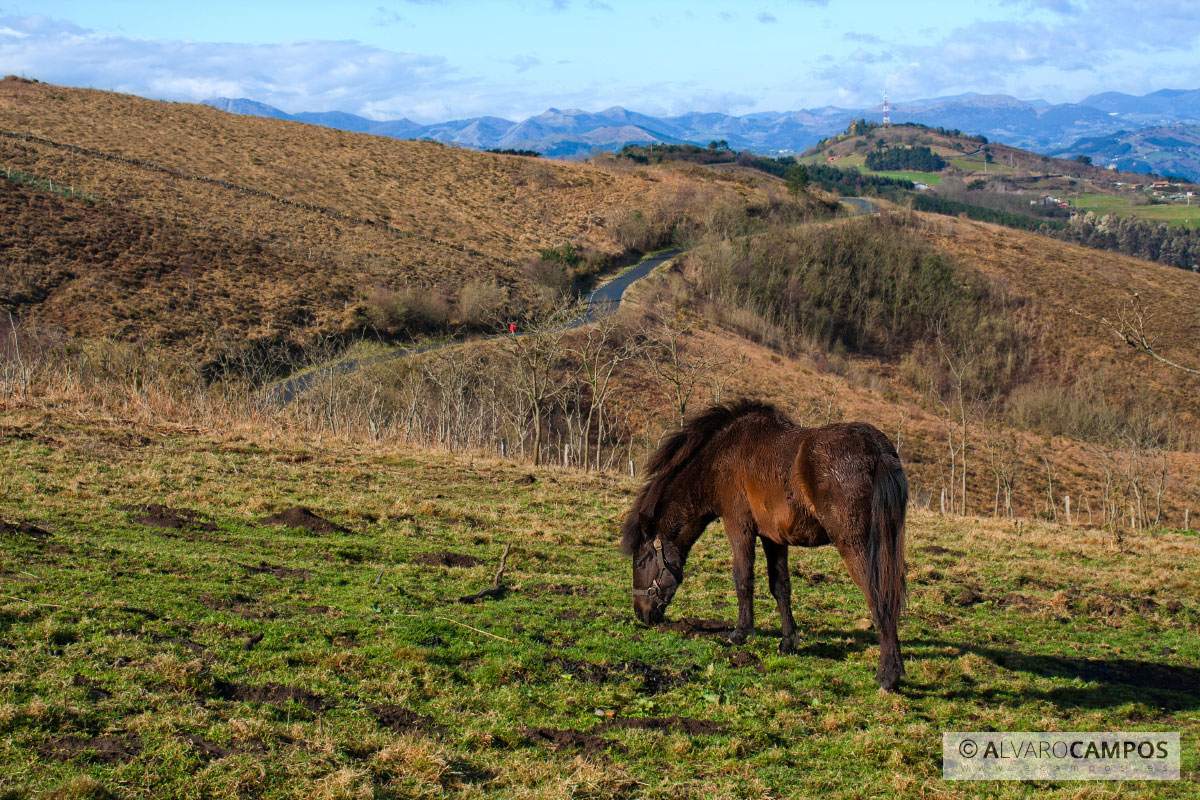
(739, 637)
(888, 682)
(787, 645)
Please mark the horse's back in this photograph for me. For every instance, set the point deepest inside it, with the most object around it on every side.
(835, 470)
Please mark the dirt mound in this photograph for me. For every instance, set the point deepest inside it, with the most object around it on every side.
(23, 529)
(181, 641)
(274, 693)
(206, 750)
(153, 515)
(654, 679)
(403, 720)
(445, 558)
(278, 571)
(240, 604)
(968, 597)
(744, 658)
(575, 740)
(812, 576)
(300, 517)
(116, 749)
(688, 725)
(694, 628)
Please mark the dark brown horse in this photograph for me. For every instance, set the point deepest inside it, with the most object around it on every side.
(769, 479)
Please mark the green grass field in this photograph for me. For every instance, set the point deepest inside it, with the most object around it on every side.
(858, 162)
(976, 165)
(929, 178)
(225, 658)
(1116, 204)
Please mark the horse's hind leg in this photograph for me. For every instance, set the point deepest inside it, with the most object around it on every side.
(854, 553)
(781, 589)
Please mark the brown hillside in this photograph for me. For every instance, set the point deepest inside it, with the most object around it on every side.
(1073, 288)
(352, 211)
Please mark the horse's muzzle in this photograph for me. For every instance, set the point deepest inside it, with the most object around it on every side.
(649, 615)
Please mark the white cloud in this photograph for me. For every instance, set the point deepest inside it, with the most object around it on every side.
(295, 76)
(1054, 40)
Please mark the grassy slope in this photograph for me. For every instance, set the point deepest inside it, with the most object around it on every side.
(412, 213)
(1174, 214)
(119, 633)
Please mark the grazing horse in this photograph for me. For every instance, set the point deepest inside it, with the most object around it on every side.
(769, 479)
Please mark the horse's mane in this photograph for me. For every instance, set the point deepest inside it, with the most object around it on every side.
(676, 451)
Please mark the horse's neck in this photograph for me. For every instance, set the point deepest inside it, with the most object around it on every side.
(695, 519)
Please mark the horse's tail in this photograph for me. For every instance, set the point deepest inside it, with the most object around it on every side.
(885, 544)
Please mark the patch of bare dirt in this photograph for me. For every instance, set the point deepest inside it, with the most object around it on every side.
(23, 529)
(654, 679)
(180, 641)
(744, 658)
(1019, 602)
(569, 740)
(300, 517)
(968, 597)
(403, 720)
(812, 576)
(206, 750)
(274, 693)
(446, 558)
(688, 725)
(113, 749)
(562, 589)
(278, 571)
(240, 604)
(153, 515)
(695, 628)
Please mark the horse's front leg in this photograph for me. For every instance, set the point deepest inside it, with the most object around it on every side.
(741, 538)
(781, 589)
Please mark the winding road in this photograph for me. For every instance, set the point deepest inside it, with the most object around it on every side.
(603, 300)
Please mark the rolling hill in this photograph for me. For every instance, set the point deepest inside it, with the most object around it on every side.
(340, 214)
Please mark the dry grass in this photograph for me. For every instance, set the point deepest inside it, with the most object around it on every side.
(1074, 288)
(346, 213)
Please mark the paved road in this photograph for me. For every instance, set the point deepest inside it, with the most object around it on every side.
(603, 300)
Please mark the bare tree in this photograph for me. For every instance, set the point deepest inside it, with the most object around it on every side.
(677, 368)
(950, 392)
(603, 348)
(1134, 325)
(1004, 461)
(535, 354)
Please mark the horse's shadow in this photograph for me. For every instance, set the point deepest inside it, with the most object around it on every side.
(1110, 681)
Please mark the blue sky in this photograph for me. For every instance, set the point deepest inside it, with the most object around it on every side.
(433, 60)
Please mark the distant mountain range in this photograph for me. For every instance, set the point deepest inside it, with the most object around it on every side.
(1030, 124)
(1167, 150)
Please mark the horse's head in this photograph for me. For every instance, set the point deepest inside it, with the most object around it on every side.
(657, 573)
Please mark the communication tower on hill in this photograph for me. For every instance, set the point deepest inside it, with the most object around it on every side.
(887, 111)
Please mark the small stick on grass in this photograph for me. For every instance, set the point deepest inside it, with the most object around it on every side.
(497, 589)
(462, 624)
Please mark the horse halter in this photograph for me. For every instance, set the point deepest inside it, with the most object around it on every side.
(654, 590)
